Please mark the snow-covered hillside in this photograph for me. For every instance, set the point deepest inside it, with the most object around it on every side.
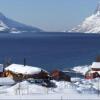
(9, 25)
(90, 24)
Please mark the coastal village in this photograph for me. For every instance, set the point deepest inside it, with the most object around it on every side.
(63, 58)
(19, 73)
(20, 79)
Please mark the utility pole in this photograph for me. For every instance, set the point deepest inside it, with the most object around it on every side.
(24, 61)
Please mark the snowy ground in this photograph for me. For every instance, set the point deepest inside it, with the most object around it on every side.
(77, 89)
(81, 69)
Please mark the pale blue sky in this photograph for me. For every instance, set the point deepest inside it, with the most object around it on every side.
(49, 15)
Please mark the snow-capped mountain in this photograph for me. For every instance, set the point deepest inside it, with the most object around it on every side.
(90, 24)
(11, 26)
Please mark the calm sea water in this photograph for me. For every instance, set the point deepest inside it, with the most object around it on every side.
(50, 50)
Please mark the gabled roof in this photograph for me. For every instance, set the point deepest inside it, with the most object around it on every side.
(17, 68)
(95, 65)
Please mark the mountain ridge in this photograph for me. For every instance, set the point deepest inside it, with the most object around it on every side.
(91, 24)
(12, 26)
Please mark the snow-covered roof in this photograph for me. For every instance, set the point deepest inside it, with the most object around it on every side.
(95, 65)
(17, 68)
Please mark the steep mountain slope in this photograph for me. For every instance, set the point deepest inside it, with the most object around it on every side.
(9, 25)
(90, 24)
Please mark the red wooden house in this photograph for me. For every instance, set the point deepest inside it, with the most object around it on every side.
(60, 76)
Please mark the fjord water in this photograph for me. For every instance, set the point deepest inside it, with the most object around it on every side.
(50, 50)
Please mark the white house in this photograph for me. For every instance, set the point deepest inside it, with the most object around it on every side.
(94, 71)
(95, 66)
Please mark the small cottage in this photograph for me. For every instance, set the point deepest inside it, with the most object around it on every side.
(20, 72)
(59, 76)
(94, 71)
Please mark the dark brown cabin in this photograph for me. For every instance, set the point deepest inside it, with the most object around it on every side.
(20, 77)
(59, 76)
